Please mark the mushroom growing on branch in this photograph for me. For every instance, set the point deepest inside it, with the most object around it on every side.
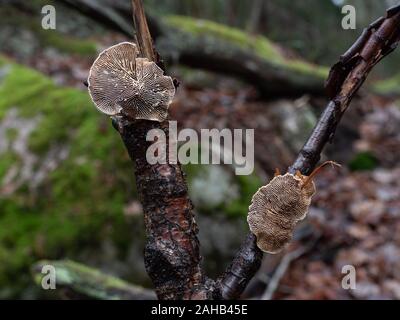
(277, 207)
(121, 83)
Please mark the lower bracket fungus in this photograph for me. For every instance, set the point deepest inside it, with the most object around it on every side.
(277, 207)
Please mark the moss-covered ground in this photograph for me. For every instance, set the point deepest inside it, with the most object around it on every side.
(77, 204)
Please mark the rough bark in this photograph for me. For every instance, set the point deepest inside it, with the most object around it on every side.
(172, 251)
(236, 277)
(172, 256)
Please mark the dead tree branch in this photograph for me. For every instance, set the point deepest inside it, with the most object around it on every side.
(172, 255)
(172, 252)
(79, 281)
(142, 32)
(345, 78)
(243, 267)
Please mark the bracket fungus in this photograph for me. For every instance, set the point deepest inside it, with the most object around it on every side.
(121, 83)
(276, 208)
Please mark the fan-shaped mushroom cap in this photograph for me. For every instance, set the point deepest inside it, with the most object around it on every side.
(121, 83)
(276, 208)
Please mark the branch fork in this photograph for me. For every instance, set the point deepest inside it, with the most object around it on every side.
(172, 252)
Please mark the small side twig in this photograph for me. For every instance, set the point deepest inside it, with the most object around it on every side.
(280, 272)
(143, 37)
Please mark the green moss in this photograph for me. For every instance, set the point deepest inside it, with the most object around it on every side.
(85, 280)
(78, 204)
(248, 186)
(389, 86)
(11, 134)
(6, 161)
(67, 44)
(363, 161)
(307, 68)
(262, 46)
(25, 88)
(47, 38)
(204, 27)
(19, 86)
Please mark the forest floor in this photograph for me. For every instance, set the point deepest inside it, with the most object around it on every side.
(355, 214)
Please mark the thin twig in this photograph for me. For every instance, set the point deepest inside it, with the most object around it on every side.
(143, 36)
(280, 272)
(345, 79)
(284, 265)
(380, 43)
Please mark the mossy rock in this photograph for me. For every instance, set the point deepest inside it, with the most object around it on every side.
(70, 198)
(78, 201)
(88, 282)
(258, 44)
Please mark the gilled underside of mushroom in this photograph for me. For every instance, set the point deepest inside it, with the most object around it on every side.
(120, 83)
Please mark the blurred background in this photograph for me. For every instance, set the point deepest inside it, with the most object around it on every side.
(67, 187)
